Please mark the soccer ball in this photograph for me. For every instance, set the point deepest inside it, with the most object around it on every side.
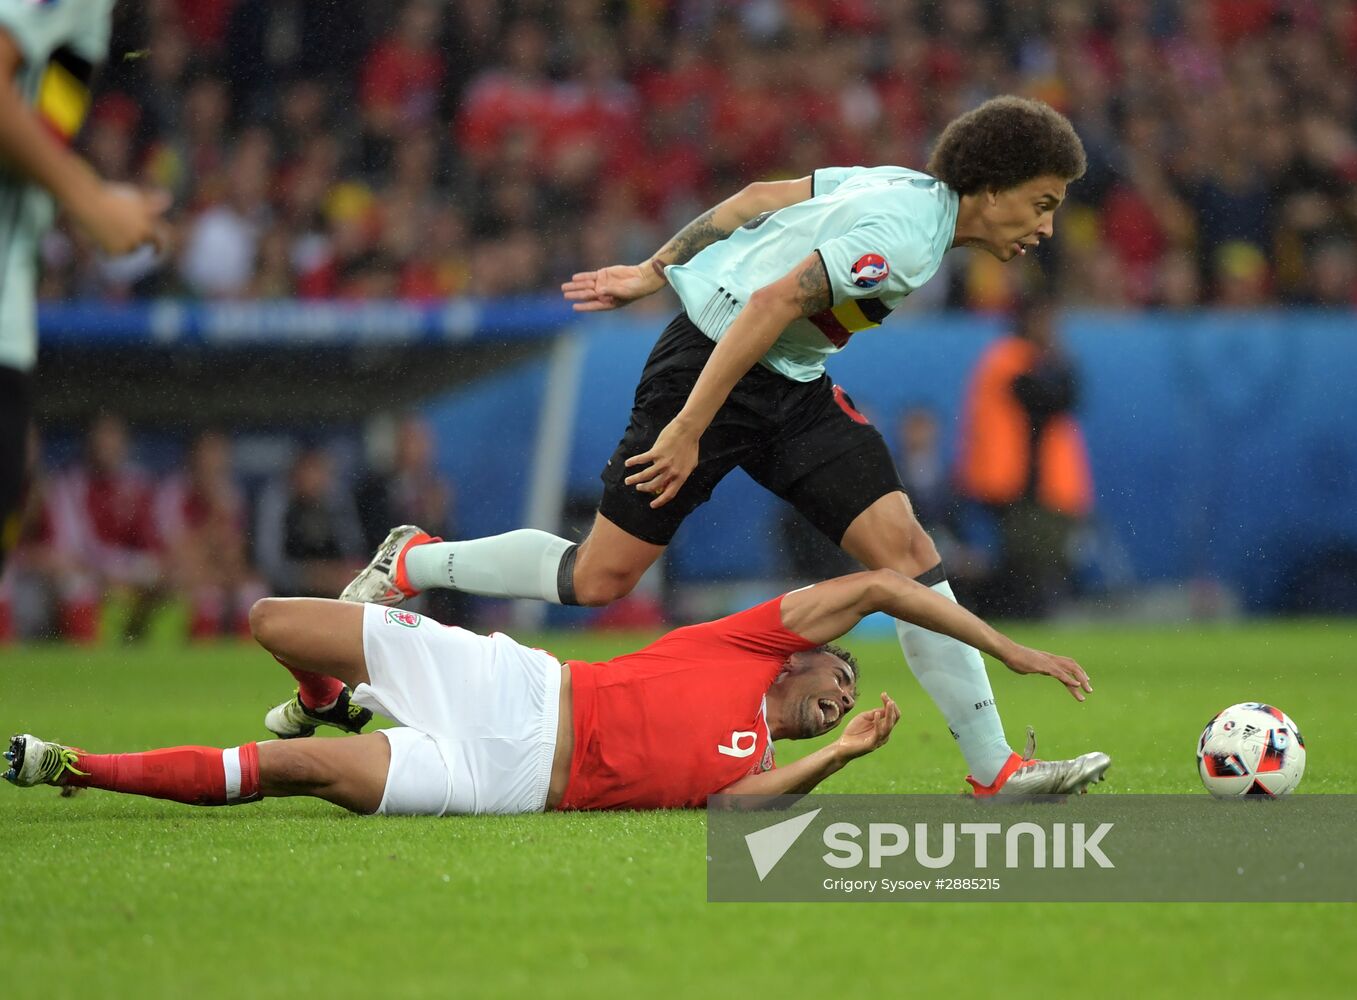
(1251, 749)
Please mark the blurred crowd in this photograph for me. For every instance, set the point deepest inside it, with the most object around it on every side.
(120, 531)
(1010, 503)
(336, 148)
(104, 543)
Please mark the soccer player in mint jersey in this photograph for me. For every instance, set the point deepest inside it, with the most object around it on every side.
(491, 726)
(773, 281)
(48, 51)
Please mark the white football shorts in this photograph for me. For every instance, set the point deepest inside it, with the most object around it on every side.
(478, 716)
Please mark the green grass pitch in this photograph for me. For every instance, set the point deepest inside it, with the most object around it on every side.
(111, 896)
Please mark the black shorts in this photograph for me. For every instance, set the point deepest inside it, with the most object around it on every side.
(803, 441)
(16, 410)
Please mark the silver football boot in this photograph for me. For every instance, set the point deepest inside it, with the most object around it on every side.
(1034, 777)
(384, 581)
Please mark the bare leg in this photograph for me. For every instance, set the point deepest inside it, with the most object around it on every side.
(310, 633)
(349, 771)
(525, 563)
(610, 562)
(887, 535)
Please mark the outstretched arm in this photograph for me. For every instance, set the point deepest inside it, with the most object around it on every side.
(719, 222)
(611, 287)
(827, 610)
(866, 732)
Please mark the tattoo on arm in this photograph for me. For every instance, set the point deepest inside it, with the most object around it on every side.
(702, 232)
(813, 293)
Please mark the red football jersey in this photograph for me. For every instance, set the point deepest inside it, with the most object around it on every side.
(679, 720)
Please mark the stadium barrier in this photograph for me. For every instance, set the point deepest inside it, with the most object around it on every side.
(1223, 444)
(298, 323)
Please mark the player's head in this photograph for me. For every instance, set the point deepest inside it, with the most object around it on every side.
(815, 690)
(1010, 160)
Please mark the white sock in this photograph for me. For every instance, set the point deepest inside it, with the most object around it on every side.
(954, 676)
(522, 563)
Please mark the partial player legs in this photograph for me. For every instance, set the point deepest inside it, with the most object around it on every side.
(16, 410)
(350, 771)
(888, 536)
(609, 563)
(526, 563)
(311, 634)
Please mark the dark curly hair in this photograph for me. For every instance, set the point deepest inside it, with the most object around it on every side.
(1005, 142)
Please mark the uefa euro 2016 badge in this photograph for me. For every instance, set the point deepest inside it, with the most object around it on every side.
(407, 618)
(870, 270)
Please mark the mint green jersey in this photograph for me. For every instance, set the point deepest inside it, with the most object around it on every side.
(61, 42)
(881, 232)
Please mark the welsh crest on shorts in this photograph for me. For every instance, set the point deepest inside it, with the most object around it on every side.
(409, 619)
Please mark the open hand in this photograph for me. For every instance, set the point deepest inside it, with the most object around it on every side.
(869, 731)
(1025, 660)
(611, 287)
(669, 463)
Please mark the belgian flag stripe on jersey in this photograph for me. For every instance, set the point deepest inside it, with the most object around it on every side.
(849, 317)
(64, 93)
(874, 309)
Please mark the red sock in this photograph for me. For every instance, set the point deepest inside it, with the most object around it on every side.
(317, 690)
(198, 776)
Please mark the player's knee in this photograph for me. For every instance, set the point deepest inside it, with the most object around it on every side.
(265, 621)
(596, 587)
(914, 549)
(923, 554)
(902, 546)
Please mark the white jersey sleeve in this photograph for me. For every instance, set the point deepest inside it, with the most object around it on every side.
(881, 256)
(826, 179)
(40, 27)
(36, 28)
(881, 233)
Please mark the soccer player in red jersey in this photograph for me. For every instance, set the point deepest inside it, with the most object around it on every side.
(490, 726)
